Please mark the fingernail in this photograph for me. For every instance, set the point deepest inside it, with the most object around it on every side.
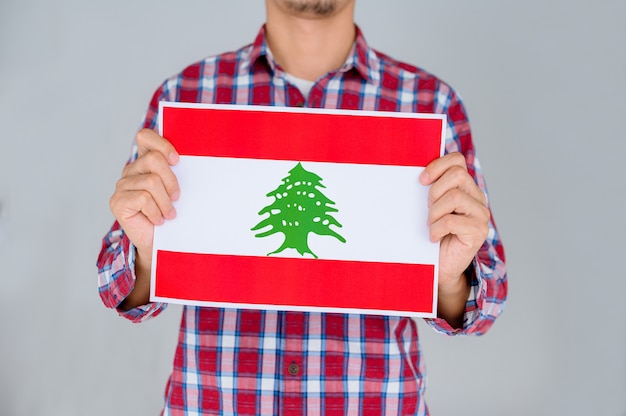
(171, 214)
(175, 195)
(424, 177)
(173, 158)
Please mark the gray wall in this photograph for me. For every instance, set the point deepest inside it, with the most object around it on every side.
(543, 81)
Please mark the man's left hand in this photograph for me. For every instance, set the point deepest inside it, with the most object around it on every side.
(458, 217)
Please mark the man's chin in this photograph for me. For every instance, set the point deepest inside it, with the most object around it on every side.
(312, 8)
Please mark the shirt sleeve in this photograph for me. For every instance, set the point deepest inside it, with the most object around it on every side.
(116, 275)
(487, 273)
(116, 261)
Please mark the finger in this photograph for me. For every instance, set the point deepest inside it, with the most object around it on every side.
(435, 169)
(129, 204)
(457, 202)
(468, 230)
(148, 140)
(456, 177)
(148, 185)
(154, 163)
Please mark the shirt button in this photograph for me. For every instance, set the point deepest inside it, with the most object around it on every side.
(293, 369)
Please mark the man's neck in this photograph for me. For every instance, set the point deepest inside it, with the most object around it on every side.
(309, 47)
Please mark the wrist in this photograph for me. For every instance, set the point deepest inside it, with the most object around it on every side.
(143, 261)
(140, 294)
(452, 297)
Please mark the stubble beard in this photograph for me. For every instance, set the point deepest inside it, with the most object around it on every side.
(320, 8)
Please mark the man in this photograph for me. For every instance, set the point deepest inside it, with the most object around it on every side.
(229, 361)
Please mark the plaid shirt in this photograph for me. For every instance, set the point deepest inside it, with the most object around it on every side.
(251, 362)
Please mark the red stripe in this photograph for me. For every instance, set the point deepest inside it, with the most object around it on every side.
(297, 282)
(340, 138)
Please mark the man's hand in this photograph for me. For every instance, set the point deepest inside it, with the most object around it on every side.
(143, 198)
(458, 218)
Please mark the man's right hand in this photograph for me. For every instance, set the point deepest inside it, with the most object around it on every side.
(144, 197)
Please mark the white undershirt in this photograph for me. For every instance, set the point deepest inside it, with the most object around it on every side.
(303, 85)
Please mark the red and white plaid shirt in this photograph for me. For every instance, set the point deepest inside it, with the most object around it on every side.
(251, 362)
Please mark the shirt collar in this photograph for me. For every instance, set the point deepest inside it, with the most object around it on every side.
(361, 58)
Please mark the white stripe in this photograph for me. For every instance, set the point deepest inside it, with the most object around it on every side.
(382, 209)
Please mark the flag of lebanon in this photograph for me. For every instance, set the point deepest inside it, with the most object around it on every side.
(299, 209)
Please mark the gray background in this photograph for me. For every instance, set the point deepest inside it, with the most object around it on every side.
(543, 81)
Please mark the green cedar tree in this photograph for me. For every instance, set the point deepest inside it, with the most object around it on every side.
(299, 208)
